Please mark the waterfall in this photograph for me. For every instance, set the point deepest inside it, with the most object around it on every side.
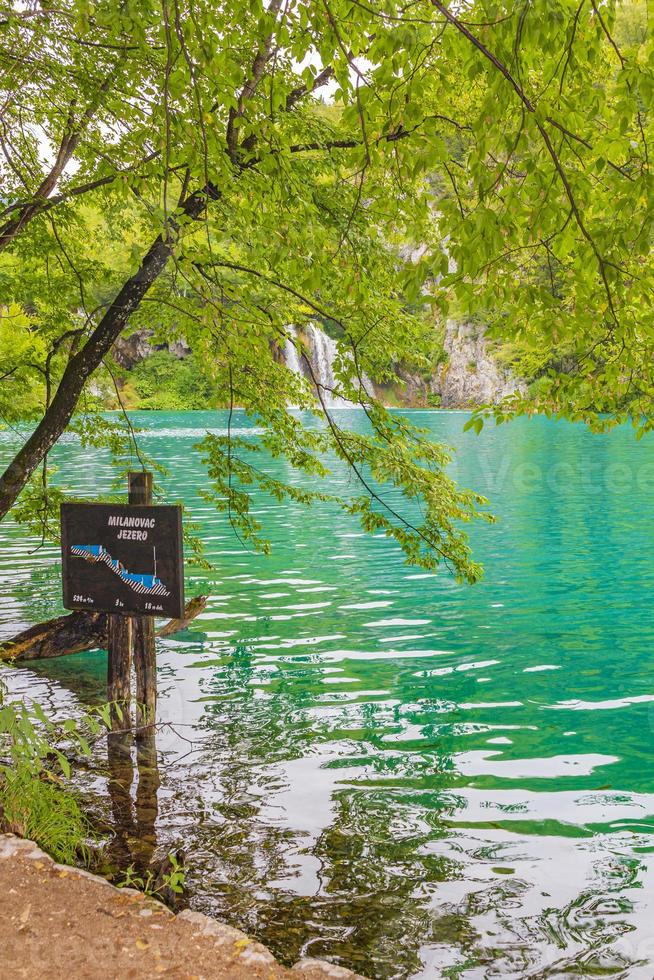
(322, 352)
(291, 356)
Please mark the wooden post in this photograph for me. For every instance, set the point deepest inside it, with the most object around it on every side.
(145, 664)
(119, 665)
(129, 635)
(139, 488)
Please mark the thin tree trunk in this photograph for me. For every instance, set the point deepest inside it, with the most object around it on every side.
(68, 145)
(88, 359)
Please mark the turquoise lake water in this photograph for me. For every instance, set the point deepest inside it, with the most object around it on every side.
(378, 766)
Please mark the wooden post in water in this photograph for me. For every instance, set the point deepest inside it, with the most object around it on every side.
(145, 664)
(146, 670)
(132, 635)
(119, 666)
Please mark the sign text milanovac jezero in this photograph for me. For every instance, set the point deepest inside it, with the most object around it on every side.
(123, 559)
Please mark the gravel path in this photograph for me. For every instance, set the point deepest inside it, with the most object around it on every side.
(65, 924)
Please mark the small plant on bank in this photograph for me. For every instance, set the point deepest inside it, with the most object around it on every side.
(165, 883)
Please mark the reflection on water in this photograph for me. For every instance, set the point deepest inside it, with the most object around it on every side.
(374, 765)
(134, 820)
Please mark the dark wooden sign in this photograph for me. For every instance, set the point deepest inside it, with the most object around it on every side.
(123, 559)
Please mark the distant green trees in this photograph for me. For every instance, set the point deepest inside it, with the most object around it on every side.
(164, 382)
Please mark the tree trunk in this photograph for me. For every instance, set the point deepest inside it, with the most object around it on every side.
(88, 359)
(79, 369)
(193, 608)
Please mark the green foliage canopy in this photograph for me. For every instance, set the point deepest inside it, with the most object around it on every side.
(170, 164)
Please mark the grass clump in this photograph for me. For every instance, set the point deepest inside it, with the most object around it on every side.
(36, 800)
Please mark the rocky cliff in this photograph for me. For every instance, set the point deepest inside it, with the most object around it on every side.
(472, 375)
(469, 374)
(129, 350)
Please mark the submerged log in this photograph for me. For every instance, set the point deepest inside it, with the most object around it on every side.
(75, 633)
(78, 632)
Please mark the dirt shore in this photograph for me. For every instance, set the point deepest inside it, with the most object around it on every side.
(65, 924)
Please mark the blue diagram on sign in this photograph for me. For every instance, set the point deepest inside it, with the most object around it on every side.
(148, 584)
